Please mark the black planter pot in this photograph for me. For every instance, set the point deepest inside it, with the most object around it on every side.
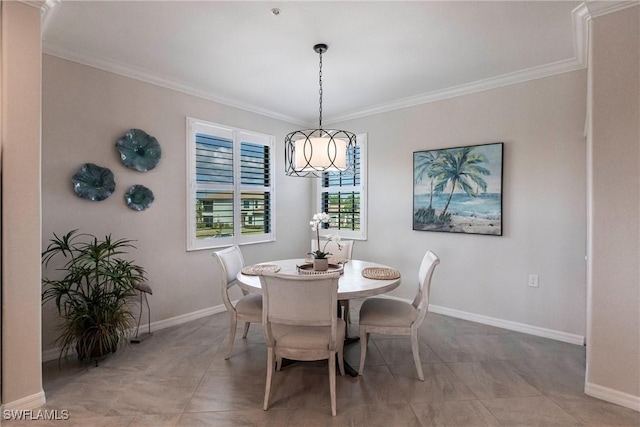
(96, 352)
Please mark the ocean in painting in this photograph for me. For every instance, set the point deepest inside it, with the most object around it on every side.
(486, 205)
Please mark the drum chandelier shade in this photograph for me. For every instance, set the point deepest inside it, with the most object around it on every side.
(310, 152)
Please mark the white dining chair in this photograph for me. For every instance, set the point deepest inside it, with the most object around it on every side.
(301, 323)
(342, 250)
(339, 252)
(248, 308)
(392, 317)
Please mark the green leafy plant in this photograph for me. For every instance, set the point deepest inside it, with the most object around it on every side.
(94, 295)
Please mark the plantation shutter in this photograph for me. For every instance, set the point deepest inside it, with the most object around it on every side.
(214, 198)
(231, 187)
(255, 173)
(342, 196)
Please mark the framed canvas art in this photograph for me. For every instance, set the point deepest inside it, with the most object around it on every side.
(458, 190)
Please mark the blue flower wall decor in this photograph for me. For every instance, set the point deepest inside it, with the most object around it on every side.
(139, 150)
(138, 197)
(93, 182)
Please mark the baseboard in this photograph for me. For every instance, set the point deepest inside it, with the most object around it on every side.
(26, 403)
(51, 354)
(184, 318)
(54, 353)
(613, 396)
(501, 323)
(510, 325)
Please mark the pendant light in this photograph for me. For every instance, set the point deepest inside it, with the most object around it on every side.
(310, 152)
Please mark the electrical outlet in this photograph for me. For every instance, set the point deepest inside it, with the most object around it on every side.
(533, 280)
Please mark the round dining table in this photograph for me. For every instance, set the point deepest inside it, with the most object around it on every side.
(352, 283)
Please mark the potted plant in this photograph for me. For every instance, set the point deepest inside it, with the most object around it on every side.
(94, 295)
(320, 257)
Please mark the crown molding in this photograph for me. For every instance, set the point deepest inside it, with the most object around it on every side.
(601, 8)
(49, 10)
(159, 80)
(38, 4)
(534, 73)
(580, 17)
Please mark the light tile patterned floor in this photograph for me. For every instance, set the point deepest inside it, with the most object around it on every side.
(475, 375)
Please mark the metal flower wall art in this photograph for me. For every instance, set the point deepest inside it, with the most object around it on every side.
(138, 197)
(93, 182)
(139, 150)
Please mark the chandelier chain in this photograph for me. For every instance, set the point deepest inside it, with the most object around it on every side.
(320, 91)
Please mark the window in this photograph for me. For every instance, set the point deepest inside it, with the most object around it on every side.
(231, 193)
(344, 197)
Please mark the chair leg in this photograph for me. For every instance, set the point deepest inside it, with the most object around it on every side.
(364, 341)
(246, 329)
(332, 382)
(267, 387)
(232, 335)
(415, 348)
(347, 314)
(341, 360)
(278, 363)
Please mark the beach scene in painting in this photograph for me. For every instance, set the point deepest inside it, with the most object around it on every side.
(458, 190)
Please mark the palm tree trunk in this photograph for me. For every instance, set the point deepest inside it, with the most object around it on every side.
(431, 196)
(448, 201)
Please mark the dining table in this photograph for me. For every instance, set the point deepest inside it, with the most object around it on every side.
(358, 279)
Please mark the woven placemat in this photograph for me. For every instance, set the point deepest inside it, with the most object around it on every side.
(380, 273)
(258, 269)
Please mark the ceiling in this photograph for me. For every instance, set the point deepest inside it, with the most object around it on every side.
(382, 55)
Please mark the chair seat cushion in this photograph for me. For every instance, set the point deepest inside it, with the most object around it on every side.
(387, 312)
(250, 305)
(306, 337)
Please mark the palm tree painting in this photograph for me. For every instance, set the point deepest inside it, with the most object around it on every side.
(458, 189)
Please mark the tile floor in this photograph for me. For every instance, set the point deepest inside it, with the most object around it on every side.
(475, 375)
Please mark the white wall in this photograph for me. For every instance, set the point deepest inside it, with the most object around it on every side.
(21, 232)
(541, 122)
(544, 228)
(85, 111)
(613, 358)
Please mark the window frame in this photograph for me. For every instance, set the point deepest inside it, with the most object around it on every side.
(237, 136)
(361, 141)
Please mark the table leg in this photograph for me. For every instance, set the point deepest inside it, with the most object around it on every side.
(348, 369)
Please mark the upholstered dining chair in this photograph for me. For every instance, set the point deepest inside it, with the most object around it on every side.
(248, 308)
(342, 251)
(301, 323)
(392, 317)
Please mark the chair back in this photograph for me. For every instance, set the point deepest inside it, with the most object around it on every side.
(421, 301)
(299, 300)
(342, 251)
(230, 262)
